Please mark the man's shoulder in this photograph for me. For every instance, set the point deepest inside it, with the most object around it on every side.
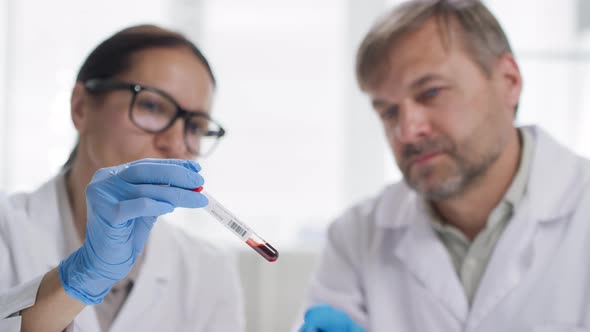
(559, 177)
(379, 210)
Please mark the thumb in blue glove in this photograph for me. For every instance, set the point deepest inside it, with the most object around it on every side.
(123, 203)
(325, 318)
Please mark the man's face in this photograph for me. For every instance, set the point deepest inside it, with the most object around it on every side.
(446, 121)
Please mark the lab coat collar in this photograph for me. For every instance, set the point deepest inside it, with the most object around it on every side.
(152, 280)
(557, 180)
(395, 206)
(420, 251)
(555, 172)
(43, 208)
(401, 214)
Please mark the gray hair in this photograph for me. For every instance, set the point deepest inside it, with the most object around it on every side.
(479, 32)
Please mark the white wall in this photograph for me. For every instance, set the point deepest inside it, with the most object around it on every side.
(4, 78)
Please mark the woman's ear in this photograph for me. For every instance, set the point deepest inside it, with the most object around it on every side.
(79, 107)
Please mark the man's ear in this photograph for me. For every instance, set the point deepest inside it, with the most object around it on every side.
(79, 107)
(510, 80)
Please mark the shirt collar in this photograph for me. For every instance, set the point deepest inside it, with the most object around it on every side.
(517, 188)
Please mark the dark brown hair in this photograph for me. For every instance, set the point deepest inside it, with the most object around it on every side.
(113, 56)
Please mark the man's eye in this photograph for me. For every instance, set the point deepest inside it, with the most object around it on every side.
(390, 113)
(429, 94)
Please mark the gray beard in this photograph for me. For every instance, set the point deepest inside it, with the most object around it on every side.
(467, 173)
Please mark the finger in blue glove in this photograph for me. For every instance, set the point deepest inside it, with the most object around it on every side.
(326, 318)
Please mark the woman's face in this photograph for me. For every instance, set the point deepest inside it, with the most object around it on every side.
(107, 135)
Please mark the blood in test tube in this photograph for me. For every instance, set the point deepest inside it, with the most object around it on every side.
(264, 249)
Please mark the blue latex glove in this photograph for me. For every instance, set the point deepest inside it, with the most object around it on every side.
(325, 318)
(123, 203)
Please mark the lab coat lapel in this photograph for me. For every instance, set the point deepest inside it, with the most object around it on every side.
(43, 209)
(151, 283)
(46, 206)
(86, 321)
(424, 256)
(533, 233)
(511, 260)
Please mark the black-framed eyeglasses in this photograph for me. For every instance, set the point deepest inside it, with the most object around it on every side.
(154, 111)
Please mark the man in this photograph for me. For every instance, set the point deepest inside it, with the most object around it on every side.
(488, 231)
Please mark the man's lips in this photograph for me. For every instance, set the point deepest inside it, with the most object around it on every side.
(423, 158)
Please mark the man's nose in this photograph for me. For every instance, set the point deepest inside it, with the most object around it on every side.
(413, 124)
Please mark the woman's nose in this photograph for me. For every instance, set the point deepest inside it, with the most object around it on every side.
(171, 141)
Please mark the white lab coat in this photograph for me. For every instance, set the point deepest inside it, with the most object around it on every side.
(385, 266)
(184, 284)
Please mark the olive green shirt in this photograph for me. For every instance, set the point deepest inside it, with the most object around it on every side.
(471, 258)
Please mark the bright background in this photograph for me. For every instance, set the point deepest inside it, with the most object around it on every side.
(303, 143)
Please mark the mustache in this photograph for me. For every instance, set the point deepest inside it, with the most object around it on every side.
(426, 146)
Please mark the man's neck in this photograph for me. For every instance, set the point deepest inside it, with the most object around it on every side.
(470, 211)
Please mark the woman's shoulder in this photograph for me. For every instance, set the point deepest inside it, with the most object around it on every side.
(24, 203)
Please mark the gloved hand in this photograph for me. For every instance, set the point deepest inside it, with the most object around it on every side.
(123, 203)
(325, 318)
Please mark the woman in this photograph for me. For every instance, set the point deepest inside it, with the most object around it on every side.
(145, 92)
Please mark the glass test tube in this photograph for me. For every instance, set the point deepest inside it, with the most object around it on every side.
(240, 229)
